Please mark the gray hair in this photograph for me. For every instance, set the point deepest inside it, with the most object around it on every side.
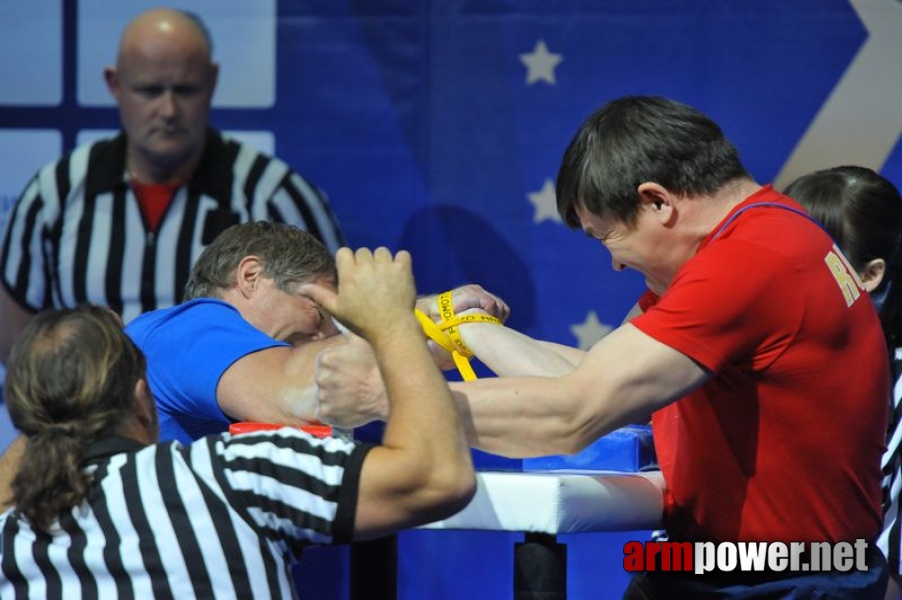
(290, 256)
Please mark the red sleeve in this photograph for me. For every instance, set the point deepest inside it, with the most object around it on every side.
(728, 306)
(647, 300)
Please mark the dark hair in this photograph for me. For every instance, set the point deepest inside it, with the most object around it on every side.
(290, 256)
(70, 380)
(638, 139)
(863, 212)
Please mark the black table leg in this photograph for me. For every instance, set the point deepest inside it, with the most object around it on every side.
(540, 568)
(374, 569)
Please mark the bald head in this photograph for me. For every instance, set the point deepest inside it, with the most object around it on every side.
(168, 28)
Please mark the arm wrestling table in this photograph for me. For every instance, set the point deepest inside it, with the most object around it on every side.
(543, 505)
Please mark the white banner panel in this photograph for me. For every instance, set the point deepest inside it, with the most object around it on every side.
(31, 53)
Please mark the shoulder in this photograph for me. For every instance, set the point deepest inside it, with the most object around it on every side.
(182, 318)
(206, 326)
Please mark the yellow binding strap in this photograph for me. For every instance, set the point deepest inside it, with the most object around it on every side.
(439, 337)
(447, 333)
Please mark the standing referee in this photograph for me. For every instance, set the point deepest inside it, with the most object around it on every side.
(119, 222)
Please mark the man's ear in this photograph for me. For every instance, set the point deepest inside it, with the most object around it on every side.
(657, 199)
(112, 81)
(142, 398)
(872, 274)
(248, 274)
(214, 76)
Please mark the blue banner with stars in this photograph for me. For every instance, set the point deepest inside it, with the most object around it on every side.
(457, 114)
(438, 126)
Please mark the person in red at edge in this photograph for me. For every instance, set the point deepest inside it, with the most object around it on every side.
(753, 351)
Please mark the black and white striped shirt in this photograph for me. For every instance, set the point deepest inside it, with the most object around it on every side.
(77, 233)
(221, 518)
(890, 540)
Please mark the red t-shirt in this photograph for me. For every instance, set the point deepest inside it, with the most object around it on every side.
(784, 441)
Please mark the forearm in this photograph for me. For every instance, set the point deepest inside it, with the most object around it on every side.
(423, 470)
(510, 353)
(422, 413)
(623, 379)
(515, 416)
(299, 406)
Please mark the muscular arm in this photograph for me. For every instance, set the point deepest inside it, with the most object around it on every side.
(623, 379)
(422, 471)
(274, 385)
(510, 353)
(424, 456)
(352, 392)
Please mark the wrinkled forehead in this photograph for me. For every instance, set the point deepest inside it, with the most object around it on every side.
(327, 281)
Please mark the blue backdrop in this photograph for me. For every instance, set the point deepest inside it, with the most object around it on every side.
(437, 126)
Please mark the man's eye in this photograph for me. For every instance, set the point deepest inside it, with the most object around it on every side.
(150, 91)
(606, 236)
(186, 90)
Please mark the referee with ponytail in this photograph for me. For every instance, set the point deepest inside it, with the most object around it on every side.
(101, 511)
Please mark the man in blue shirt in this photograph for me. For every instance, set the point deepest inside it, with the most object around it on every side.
(243, 345)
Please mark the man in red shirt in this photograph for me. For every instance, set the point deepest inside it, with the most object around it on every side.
(755, 352)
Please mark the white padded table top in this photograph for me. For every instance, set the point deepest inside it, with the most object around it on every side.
(562, 502)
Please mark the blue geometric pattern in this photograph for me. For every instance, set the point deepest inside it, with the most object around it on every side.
(417, 118)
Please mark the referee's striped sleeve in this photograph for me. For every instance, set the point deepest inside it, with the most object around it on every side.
(299, 488)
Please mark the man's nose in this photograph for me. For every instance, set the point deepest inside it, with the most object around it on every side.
(169, 105)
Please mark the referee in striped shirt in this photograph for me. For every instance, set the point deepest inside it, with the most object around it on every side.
(119, 222)
(100, 511)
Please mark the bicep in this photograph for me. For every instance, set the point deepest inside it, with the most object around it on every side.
(380, 502)
(250, 388)
(392, 496)
(632, 375)
(273, 385)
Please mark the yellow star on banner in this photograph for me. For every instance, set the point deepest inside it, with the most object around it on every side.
(545, 202)
(540, 64)
(589, 331)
